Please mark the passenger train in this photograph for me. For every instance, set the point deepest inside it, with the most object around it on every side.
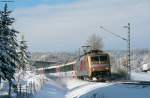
(94, 63)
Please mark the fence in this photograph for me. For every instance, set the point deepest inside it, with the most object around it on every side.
(28, 90)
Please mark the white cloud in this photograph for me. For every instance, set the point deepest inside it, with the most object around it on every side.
(67, 27)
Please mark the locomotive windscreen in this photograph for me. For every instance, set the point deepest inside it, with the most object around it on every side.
(101, 58)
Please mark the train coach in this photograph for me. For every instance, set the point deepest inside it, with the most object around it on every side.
(62, 70)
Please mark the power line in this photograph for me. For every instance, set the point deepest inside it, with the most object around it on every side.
(113, 33)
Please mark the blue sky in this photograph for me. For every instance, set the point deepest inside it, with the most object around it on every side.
(65, 25)
(29, 3)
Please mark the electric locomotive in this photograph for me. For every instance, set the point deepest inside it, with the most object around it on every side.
(94, 63)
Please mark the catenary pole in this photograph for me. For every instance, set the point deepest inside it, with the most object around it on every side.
(129, 51)
(128, 47)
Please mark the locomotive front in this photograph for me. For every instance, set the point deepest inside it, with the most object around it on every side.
(100, 65)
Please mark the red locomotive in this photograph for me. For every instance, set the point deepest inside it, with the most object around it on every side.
(94, 63)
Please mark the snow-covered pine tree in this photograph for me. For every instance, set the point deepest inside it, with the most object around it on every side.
(9, 57)
(24, 55)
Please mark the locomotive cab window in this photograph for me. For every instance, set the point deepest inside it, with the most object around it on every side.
(101, 58)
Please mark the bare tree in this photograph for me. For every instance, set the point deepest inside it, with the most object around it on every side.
(95, 42)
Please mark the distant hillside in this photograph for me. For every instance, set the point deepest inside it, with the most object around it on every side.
(56, 57)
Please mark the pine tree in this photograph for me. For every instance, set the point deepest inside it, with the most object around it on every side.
(9, 57)
(24, 55)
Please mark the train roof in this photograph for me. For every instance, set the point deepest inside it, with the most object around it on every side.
(59, 65)
(94, 52)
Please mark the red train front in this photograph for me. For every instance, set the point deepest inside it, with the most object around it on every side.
(94, 63)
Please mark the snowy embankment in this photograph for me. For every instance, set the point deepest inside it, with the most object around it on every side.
(28, 82)
(107, 90)
(67, 88)
(73, 88)
(85, 89)
(140, 76)
(51, 89)
(31, 80)
(71, 84)
(59, 88)
(117, 91)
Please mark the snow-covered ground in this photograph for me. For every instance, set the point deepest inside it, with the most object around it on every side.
(140, 76)
(25, 80)
(73, 88)
(51, 89)
(59, 88)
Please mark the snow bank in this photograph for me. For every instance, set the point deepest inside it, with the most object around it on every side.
(140, 76)
(71, 83)
(57, 83)
(4, 88)
(51, 89)
(83, 90)
(29, 82)
(73, 88)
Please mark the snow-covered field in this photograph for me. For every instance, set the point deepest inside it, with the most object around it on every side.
(74, 88)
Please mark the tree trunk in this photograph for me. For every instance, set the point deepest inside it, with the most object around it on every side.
(0, 80)
(10, 84)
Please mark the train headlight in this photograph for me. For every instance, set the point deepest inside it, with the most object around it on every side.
(107, 68)
(93, 69)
